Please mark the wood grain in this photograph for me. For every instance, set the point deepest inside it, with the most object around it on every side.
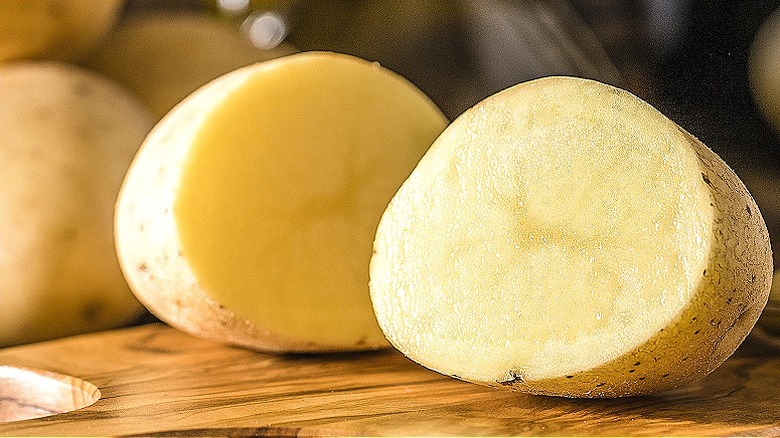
(158, 381)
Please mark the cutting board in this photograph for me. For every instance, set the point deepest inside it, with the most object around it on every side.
(153, 380)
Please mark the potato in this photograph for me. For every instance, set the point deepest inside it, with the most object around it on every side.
(67, 139)
(563, 237)
(249, 213)
(764, 66)
(165, 57)
(54, 29)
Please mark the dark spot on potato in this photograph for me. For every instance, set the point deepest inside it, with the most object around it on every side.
(141, 228)
(69, 234)
(665, 375)
(362, 341)
(631, 371)
(143, 268)
(55, 9)
(749, 211)
(637, 364)
(704, 272)
(92, 311)
(696, 332)
(729, 300)
(753, 278)
(706, 179)
(166, 210)
(81, 89)
(640, 378)
(180, 254)
(43, 113)
(514, 377)
(684, 359)
(569, 377)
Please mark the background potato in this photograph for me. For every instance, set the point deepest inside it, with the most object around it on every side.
(765, 69)
(163, 57)
(54, 29)
(67, 139)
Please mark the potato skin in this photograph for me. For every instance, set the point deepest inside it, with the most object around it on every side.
(67, 140)
(63, 30)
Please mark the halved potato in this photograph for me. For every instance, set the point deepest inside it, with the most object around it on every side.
(563, 237)
(249, 214)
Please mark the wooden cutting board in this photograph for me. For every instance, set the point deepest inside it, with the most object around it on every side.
(153, 380)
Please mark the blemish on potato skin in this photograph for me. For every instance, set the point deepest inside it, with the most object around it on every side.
(81, 89)
(143, 267)
(706, 179)
(92, 311)
(514, 378)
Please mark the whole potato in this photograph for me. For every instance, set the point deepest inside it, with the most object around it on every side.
(54, 29)
(764, 65)
(164, 57)
(66, 141)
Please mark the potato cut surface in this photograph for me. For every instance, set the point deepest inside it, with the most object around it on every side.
(556, 227)
(278, 193)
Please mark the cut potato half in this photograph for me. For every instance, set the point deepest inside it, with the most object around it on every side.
(563, 237)
(249, 214)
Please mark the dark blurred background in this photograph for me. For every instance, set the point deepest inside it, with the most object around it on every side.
(690, 59)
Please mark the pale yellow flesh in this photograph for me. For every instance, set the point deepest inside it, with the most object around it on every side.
(542, 235)
(284, 185)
